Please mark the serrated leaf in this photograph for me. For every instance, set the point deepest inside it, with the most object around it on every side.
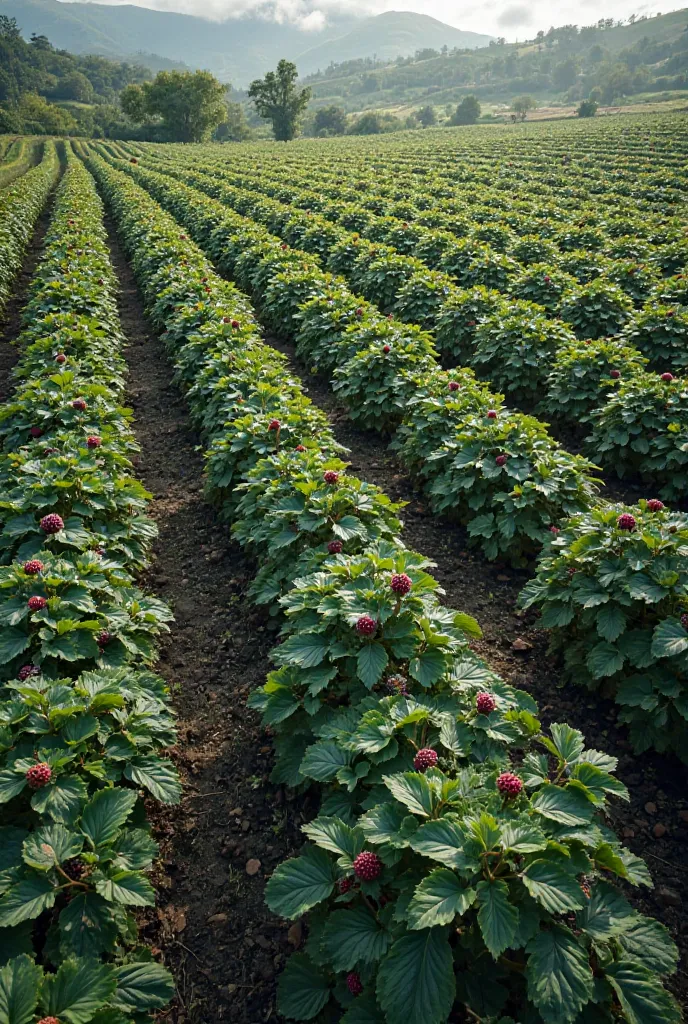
(128, 887)
(669, 639)
(413, 790)
(415, 982)
(552, 887)
(323, 760)
(438, 899)
(26, 900)
(643, 998)
(105, 813)
(87, 926)
(19, 983)
(12, 643)
(560, 981)
(157, 775)
(649, 942)
(141, 987)
(605, 914)
(371, 662)
(353, 936)
(334, 835)
(300, 883)
(562, 804)
(497, 917)
(604, 660)
(79, 988)
(11, 784)
(303, 989)
(51, 845)
(62, 801)
(303, 649)
(441, 840)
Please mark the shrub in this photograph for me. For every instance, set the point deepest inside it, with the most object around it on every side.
(584, 372)
(641, 431)
(491, 270)
(423, 297)
(615, 602)
(380, 278)
(596, 310)
(661, 334)
(637, 280)
(323, 339)
(459, 318)
(544, 285)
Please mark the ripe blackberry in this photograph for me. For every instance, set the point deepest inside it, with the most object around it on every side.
(346, 884)
(26, 671)
(54, 1020)
(501, 460)
(93, 441)
(626, 522)
(36, 603)
(103, 638)
(236, 325)
(335, 547)
(52, 523)
(300, 448)
(684, 621)
(615, 374)
(454, 385)
(397, 684)
(367, 866)
(667, 377)
(509, 785)
(359, 311)
(366, 626)
(330, 476)
(33, 567)
(655, 505)
(401, 584)
(39, 775)
(60, 358)
(274, 425)
(555, 530)
(386, 349)
(354, 983)
(79, 403)
(424, 759)
(492, 414)
(485, 703)
(36, 432)
(75, 868)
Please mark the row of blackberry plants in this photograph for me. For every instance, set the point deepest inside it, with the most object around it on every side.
(587, 378)
(20, 207)
(442, 802)
(83, 719)
(498, 472)
(17, 158)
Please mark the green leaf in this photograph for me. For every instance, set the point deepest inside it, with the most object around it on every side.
(441, 840)
(353, 936)
(560, 981)
(438, 899)
(611, 622)
(523, 838)
(62, 801)
(302, 990)
(300, 883)
(128, 887)
(323, 760)
(334, 835)
(142, 987)
(413, 790)
(669, 639)
(371, 662)
(157, 775)
(383, 824)
(649, 942)
(604, 660)
(643, 998)
(552, 887)
(364, 1010)
(105, 813)
(19, 983)
(568, 743)
(11, 784)
(562, 804)
(26, 900)
(415, 982)
(605, 914)
(79, 988)
(12, 643)
(428, 667)
(51, 845)
(303, 649)
(498, 919)
(87, 926)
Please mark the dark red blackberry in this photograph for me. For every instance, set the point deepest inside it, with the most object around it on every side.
(367, 866)
(52, 523)
(36, 604)
(366, 626)
(39, 775)
(33, 567)
(424, 759)
(509, 785)
(401, 584)
(485, 703)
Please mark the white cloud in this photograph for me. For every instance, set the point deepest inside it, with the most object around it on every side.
(510, 18)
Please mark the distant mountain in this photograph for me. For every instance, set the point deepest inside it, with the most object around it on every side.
(387, 36)
(235, 50)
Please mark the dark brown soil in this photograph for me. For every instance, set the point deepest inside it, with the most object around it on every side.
(211, 924)
(655, 823)
(11, 320)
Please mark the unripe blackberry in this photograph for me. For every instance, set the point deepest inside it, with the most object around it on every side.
(667, 377)
(626, 522)
(36, 432)
(386, 349)
(300, 448)
(346, 884)
(401, 584)
(492, 414)
(555, 530)
(79, 403)
(366, 626)
(655, 505)
(501, 460)
(39, 775)
(335, 547)
(274, 425)
(354, 983)
(60, 358)
(485, 703)
(36, 603)
(397, 684)
(330, 476)
(33, 567)
(615, 374)
(54, 1020)
(26, 671)
(367, 866)
(509, 785)
(52, 523)
(93, 441)
(454, 385)
(424, 759)
(103, 638)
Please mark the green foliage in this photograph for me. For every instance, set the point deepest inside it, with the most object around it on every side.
(583, 373)
(459, 318)
(467, 111)
(587, 108)
(278, 100)
(596, 310)
(661, 334)
(190, 104)
(614, 601)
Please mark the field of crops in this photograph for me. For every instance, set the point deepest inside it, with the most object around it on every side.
(344, 570)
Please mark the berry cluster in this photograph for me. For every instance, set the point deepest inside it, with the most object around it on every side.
(33, 567)
(52, 523)
(626, 522)
(401, 583)
(509, 785)
(485, 703)
(39, 775)
(424, 759)
(367, 866)
(366, 626)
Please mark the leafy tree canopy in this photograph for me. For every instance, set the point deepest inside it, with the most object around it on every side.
(277, 99)
(190, 104)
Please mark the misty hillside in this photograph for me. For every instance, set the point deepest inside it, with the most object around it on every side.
(236, 50)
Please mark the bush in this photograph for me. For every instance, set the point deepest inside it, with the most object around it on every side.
(641, 432)
(381, 277)
(596, 310)
(615, 600)
(544, 285)
(587, 108)
(515, 348)
(635, 279)
(336, 325)
(422, 299)
(583, 374)
(459, 318)
(661, 334)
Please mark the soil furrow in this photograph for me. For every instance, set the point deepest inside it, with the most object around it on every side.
(211, 923)
(655, 824)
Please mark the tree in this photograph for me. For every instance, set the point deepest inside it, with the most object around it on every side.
(367, 124)
(75, 86)
(235, 127)
(564, 75)
(278, 100)
(190, 104)
(587, 108)
(522, 104)
(330, 121)
(467, 112)
(427, 116)
(42, 118)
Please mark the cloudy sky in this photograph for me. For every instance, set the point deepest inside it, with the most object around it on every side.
(511, 18)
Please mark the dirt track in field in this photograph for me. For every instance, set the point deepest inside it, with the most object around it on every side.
(211, 924)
